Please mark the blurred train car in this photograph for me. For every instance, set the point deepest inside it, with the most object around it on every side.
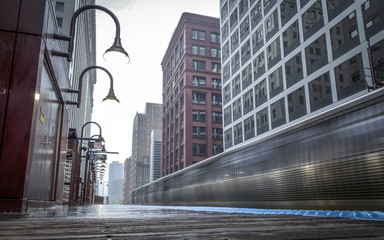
(333, 160)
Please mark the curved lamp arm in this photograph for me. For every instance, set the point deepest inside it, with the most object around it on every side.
(82, 132)
(111, 94)
(116, 46)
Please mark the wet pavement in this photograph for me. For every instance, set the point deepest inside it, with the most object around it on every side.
(149, 222)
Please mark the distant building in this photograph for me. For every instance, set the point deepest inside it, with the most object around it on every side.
(139, 169)
(115, 182)
(192, 102)
(155, 160)
(285, 61)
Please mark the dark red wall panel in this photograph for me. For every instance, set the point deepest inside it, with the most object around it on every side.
(7, 42)
(9, 13)
(19, 115)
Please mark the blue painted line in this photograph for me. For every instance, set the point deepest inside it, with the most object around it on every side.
(364, 215)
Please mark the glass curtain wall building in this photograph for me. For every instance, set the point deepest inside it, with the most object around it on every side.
(286, 60)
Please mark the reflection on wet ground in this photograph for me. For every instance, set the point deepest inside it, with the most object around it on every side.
(99, 211)
(187, 223)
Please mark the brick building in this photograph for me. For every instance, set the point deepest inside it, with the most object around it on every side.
(192, 105)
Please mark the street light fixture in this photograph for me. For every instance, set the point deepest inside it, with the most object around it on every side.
(115, 48)
(111, 94)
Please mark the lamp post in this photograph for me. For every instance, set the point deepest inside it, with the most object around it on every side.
(111, 94)
(86, 159)
(115, 48)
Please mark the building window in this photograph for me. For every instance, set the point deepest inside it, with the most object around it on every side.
(198, 115)
(278, 113)
(271, 25)
(198, 65)
(225, 49)
(288, 9)
(273, 53)
(236, 85)
(215, 37)
(233, 20)
(216, 100)
(215, 52)
(195, 49)
(200, 132)
(249, 128)
(202, 51)
(293, 70)
(198, 35)
(312, 19)
(255, 14)
(217, 116)
(216, 67)
(291, 38)
(226, 72)
(238, 133)
(225, 30)
(199, 149)
(262, 121)
(59, 6)
(296, 104)
(227, 93)
(235, 40)
(248, 101)
(59, 21)
(276, 82)
(350, 77)
(228, 138)
(316, 54)
(245, 52)
(344, 41)
(216, 83)
(246, 76)
(227, 115)
(257, 39)
(235, 62)
(258, 66)
(217, 149)
(260, 93)
(217, 133)
(236, 109)
(198, 81)
(244, 28)
(320, 93)
(198, 98)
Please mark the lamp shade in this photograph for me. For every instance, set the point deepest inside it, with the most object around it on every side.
(111, 96)
(116, 53)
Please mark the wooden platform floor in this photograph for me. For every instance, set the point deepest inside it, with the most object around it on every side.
(126, 222)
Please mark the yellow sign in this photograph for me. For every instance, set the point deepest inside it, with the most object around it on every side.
(42, 118)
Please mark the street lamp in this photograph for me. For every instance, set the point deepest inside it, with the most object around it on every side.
(86, 159)
(116, 47)
(111, 93)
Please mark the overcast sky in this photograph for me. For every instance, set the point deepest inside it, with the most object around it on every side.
(146, 29)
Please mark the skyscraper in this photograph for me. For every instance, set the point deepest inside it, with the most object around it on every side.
(143, 125)
(115, 182)
(192, 111)
(284, 61)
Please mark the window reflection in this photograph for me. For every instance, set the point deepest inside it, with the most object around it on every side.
(261, 93)
(320, 93)
(296, 104)
(344, 35)
(275, 82)
(294, 70)
(291, 38)
(312, 19)
(278, 113)
(316, 54)
(262, 121)
(350, 77)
